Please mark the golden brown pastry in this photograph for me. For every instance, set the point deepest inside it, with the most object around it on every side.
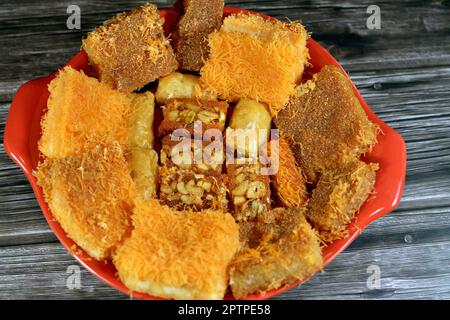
(326, 122)
(254, 58)
(252, 120)
(289, 182)
(198, 20)
(249, 190)
(130, 50)
(184, 189)
(82, 112)
(183, 113)
(278, 248)
(178, 85)
(91, 196)
(338, 196)
(180, 255)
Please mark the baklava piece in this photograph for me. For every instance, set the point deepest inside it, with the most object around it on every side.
(140, 120)
(325, 123)
(178, 85)
(278, 249)
(182, 113)
(186, 190)
(130, 50)
(251, 57)
(199, 19)
(250, 191)
(178, 255)
(338, 196)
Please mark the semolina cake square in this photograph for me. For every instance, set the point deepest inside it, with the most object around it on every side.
(339, 194)
(91, 195)
(178, 255)
(278, 248)
(199, 19)
(251, 57)
(325, 122)
(130, 50)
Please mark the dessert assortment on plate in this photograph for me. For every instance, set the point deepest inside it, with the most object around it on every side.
(167, 162)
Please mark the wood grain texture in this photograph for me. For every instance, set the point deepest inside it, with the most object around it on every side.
(403, 72)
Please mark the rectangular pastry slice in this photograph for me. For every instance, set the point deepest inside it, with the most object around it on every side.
(338, 196)
(130, 50)
(249, 190)
(178, 85)
(178, 255)
(325, 122)
(91, 195)
(199, 19)
(186, 190)
(251, 57)
(288, 180)
(143, 166)
(81, 113)
(182, 113)
(280, 247)
(199, 156)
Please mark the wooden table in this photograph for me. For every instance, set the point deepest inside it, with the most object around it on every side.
(403, 72)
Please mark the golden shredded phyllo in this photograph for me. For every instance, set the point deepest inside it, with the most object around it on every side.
(130, 50)
(325, 123)
(181, 255)
(254, 58)
(278, 249)
(82, 112)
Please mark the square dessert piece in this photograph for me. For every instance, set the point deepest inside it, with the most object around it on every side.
(183, 113)
(325, 122)
(91, 195)
(250, 191)
(288, 180)
(280, 247)
(200, 156)
(338, 196)
(186, 190)
(83, 112)
(179, 85)
(199, 19)
(130, 50)
(178, 255)
(251, 57)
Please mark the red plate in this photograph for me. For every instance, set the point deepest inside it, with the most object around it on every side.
(23, 132)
